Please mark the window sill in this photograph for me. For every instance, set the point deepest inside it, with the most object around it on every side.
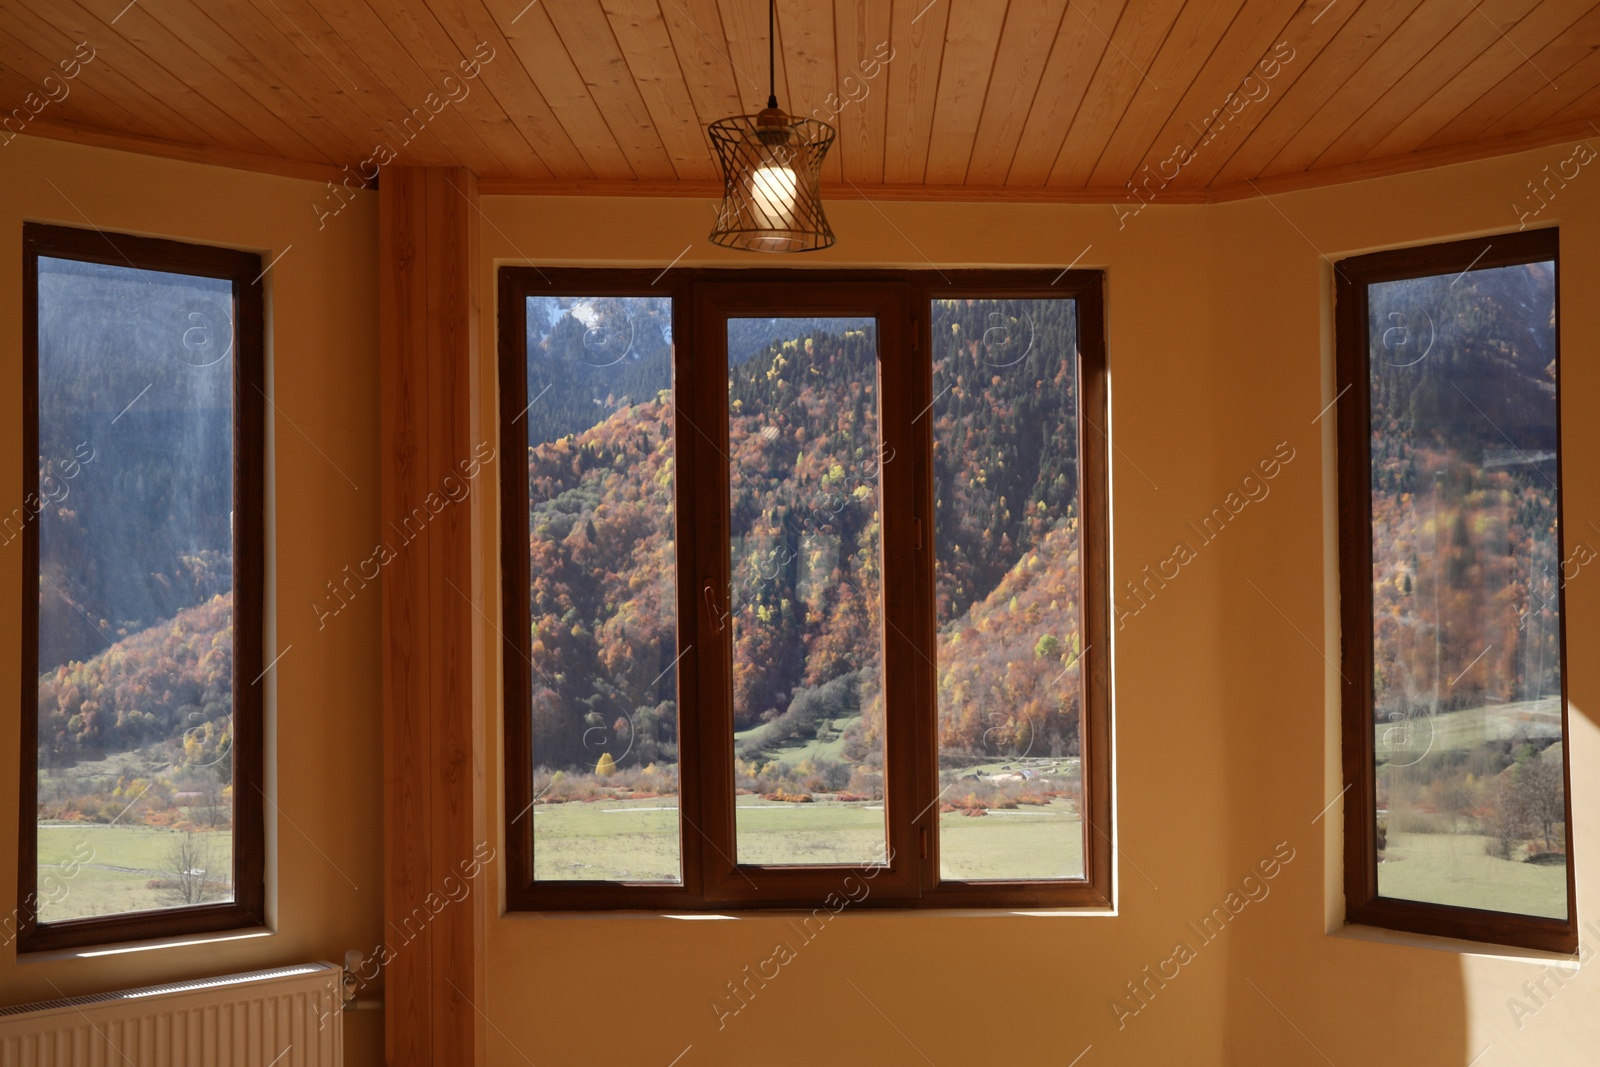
(152, 945)
(1381, 936)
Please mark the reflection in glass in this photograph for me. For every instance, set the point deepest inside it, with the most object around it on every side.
(603, 589)
(135, 642)
(806, 606)
(1010, 589)
(1466, 566)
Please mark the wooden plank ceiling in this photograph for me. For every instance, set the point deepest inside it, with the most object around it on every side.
(971, 99)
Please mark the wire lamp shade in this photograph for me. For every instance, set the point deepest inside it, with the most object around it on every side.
(771, 178)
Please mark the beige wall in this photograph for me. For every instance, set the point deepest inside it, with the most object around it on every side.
(1226, 725)
(1219, 347)
(324, 769)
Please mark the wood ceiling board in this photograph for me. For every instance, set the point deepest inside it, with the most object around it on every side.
(1192, 48)
(1533, 33)
(86, 103)
(1411, 162)
(1423, 80)
(541, 145)
(1309, 30)
(544, 57)
(862, 28)
(347, 91)
(806, 29)
(186, 89)
(696, 30)
(1334, 49)
(367, 99)
(1028, 43)
(1250, 42)
(744, 25)
(1584, 109)
(917, 35)
(413, 51)
(1533, 73)
(294, 43)
(121, 69)
(979, 93)
(1124, 69)
(971, 41)
(1080, 50)
(898, 193)
(243, 85)
(590, 42)
(1545, 104)
(642, 33)
(1411, 45)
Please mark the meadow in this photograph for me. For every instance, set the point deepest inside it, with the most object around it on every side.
(1449, 793)
(637, 840)
(114, 877)
(1455, 869)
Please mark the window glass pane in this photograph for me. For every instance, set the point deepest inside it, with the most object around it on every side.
(135, 642)
(804, 456)
(1009, 589)
(1466, 564)
(603, 589)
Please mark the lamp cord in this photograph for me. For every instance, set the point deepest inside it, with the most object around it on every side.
(772, 62)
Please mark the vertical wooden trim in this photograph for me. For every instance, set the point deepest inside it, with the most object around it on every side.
(1094, 481)
(427, 329)
(28, 656)
(249, 588)
(1353, 465)
(515, 611)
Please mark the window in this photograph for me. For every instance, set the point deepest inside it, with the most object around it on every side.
(1457, 821)
(141, 528)
(804, 589)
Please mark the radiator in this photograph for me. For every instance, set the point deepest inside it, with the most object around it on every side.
(284, 1017)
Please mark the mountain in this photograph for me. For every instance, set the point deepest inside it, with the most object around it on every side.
(805, 522)
(804, 458)
(1465, 549)
(135, 442)
(168, 684)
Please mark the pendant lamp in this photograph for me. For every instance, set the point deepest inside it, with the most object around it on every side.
(771, 174)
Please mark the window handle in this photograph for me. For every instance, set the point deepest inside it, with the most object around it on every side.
(713, 605)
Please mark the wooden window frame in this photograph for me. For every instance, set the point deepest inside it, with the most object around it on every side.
(1363, 903)
(702, 299)
(243, 270)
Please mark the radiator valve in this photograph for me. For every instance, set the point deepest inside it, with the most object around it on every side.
(352, 962)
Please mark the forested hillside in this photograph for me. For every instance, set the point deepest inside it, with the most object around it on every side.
(1007, 527)
(170, 683)
(135, 530)
(1465, 550)
(1466, 574)
(804, 457)
(135, 373)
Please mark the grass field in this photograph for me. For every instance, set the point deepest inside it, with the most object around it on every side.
(112, 878)
(1453, 869)
(1406, 743)
(1026, 842)
(831, 747)
(637, 840)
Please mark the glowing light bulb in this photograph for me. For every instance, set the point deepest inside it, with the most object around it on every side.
(774, 188)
